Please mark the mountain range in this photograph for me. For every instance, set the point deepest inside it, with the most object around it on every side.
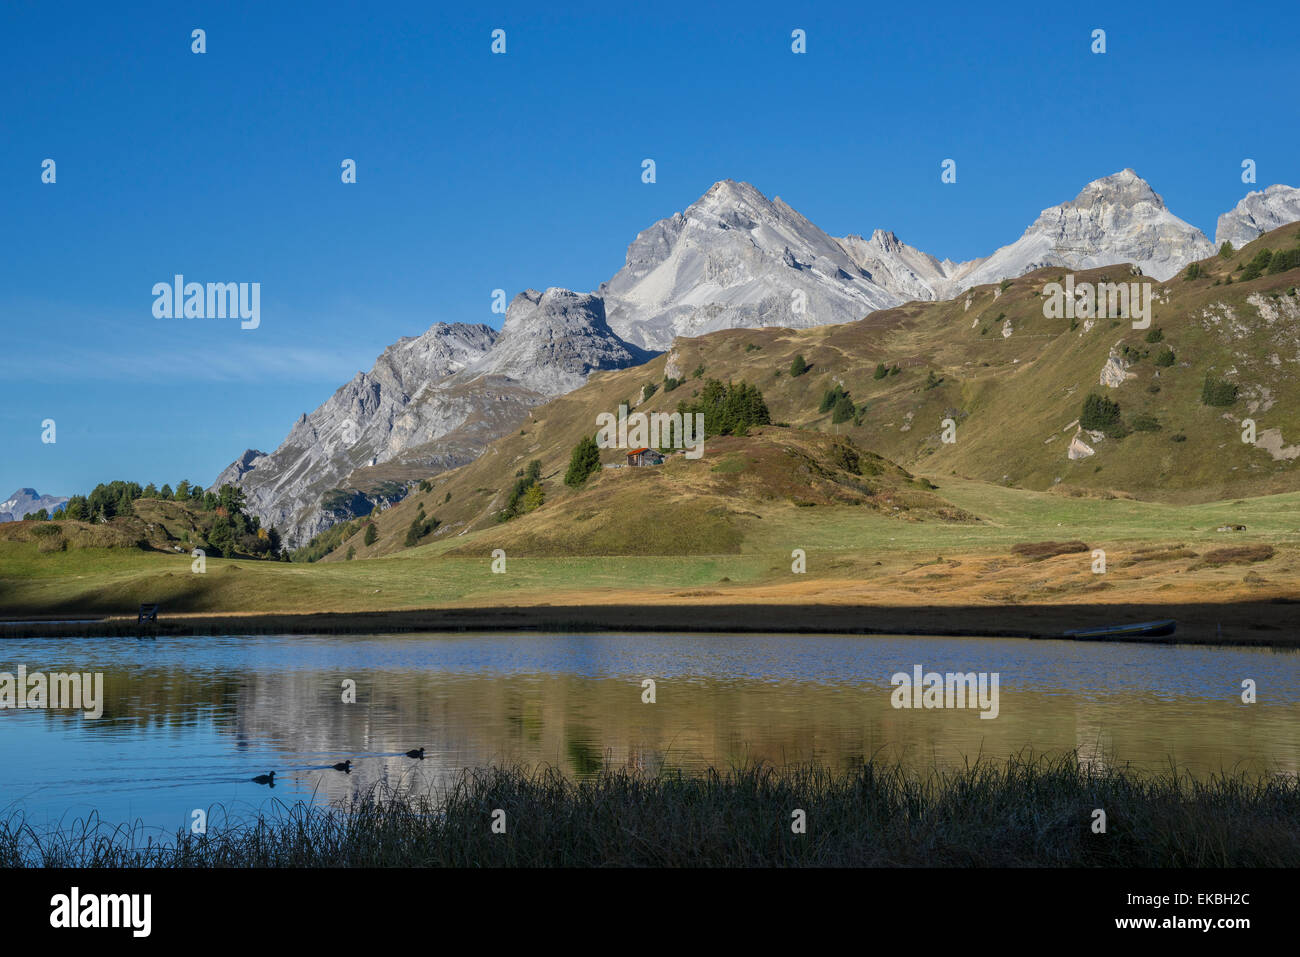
(988, 391)
(732, 259)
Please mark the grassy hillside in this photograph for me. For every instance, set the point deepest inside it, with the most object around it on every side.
(708, 506)
(1014, 382)
(947, 525)
(155, 525)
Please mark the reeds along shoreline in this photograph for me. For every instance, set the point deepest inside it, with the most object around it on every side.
(1027, 811)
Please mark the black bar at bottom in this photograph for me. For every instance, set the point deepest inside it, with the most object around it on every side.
(263, 907)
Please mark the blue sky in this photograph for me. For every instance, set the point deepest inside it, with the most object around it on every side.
(478, 171)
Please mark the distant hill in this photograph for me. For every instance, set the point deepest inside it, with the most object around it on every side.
(160, 525)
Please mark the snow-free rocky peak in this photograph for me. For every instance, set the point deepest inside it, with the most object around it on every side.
(734, 258)
(1257, 213)
(903, 270)
(551, 341)
(430, 403)
(1116, 219)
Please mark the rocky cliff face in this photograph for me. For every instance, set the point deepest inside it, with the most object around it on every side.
(735, 258)
(430, 403)
(551, 341)
(902, 270)
(1259, 212)
(1116, 219)
(360, 422)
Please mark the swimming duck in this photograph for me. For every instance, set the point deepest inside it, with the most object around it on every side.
(344, 766)
(265, 779)
(417, 753)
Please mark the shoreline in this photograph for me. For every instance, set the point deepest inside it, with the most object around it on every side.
(1260, 624)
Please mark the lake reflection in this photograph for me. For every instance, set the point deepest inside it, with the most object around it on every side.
(189, 721)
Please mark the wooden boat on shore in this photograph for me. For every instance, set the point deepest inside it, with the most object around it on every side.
(1162, 628)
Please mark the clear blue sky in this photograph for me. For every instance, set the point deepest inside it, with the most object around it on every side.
(478, 171)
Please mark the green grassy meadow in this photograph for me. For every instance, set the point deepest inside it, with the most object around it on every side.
(841, 542)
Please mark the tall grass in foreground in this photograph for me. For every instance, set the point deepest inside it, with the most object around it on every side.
(1031, 811)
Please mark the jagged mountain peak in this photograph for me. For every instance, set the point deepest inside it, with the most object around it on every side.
(1115, 219)
(431, 401)
(735, 258)
(902, 270)
(1126, 188)
(729, 204)
(551, 341)
(555, 305)
(731, 191)
(1258, 212)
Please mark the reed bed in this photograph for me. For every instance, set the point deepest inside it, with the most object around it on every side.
(1027, 811)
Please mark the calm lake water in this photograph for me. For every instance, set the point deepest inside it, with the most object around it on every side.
(189, 721)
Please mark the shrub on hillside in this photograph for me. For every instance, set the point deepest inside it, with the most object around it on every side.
(528, 480)
(1255, 268)
(729, 408)
(843, 410)
(325, 542)
(830, 397)
(419, 528)
(1283, 260)
(1101, 415)
(534, 498)
(845, 456)
(1143, 422)
(584, 460)
(1218, 392)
